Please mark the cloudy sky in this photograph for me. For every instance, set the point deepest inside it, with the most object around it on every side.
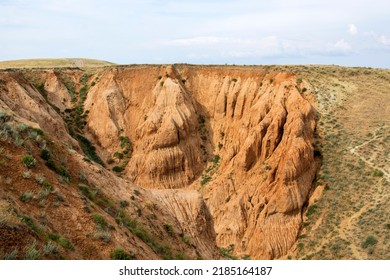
(343, 32)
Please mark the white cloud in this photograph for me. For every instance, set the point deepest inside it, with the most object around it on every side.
(384, 40)
(342, 45)
(352, 29)
(208, 40)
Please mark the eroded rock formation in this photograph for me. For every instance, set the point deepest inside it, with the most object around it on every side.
(235, 144)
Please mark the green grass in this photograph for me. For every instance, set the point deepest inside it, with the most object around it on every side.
(99, 221)
(28, 161)
(120, 254)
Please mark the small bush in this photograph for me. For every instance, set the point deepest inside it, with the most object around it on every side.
(216, 159)
(26, 197)
(123, 203)
(186, 239)
(120, 254)
(369, 242)
(28, 161)
(30, 222)
(228, 252)
(271, 80)
(377, 173)
(26, 175)
(45, 154)
(40, 178)
(205, 180)
(61, 170)
(51, 164)
(102, 235)
(169, 229)
(118, 155)
(50, 249)
(117, 169)
(87, 192)
(65, 243)
(47, 186)
(32, 253)
(311, 210)
(99, 221)
(11, 255)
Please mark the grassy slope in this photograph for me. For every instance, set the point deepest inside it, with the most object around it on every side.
(53, 63)
(352, 218)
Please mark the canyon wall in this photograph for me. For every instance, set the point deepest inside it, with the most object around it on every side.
(227, 151)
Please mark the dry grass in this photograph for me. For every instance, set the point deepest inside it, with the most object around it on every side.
(7, 216)
(54, 63)
(354, 125)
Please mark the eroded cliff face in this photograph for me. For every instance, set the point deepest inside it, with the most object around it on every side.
(226, 151)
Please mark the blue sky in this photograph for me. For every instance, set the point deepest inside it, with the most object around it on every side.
(352, 33)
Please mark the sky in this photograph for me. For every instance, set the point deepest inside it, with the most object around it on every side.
(350, 33)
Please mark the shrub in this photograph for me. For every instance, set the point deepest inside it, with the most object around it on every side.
(50, 249)
(117, 169)
(26, 175)
(169, 229)
(32, 253)
(369, 242)
(205, 180)
(51, 164)
(311, 210)
(61, 170)
(216, 159)
(123, 203)
(65, 243)
(228, 252)
(89, 150)
(377, 173)
(28, 161)
(45, 154)
(30, 222)
(11, 255)
(118, 155)
(186, 239)
(271, 80)
(120, 254)
(99, 221)
(26, 197)
(40, 178)
(102, 235)
(87, 192)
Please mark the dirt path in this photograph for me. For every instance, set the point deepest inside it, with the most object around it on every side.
(369, 161)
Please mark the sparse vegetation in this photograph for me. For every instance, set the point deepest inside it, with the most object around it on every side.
(28, 161)
(31, 252)
(120, 254)
(228, 252)
(169, 229)
(26, 196)
(100, 221)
